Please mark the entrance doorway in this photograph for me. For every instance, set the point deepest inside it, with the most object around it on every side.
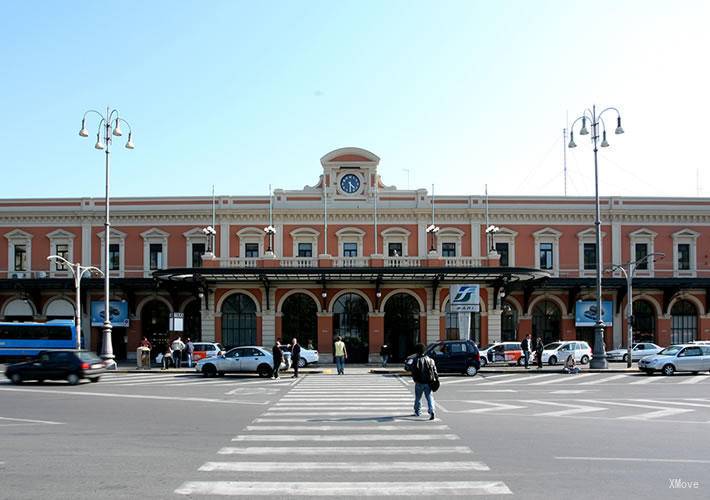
(546, 321)
(350, 322)
(300, 320)
(155, 324)
(401, 325)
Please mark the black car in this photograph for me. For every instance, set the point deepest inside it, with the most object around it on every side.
(71, 366)
(452, 356)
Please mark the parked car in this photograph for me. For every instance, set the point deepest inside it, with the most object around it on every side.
(308, 356)
(452, 356)
(502, 352)
(638, 351)
(558, 352)
(69, 365)
(206, 350)
(678, 358)
(245, 359)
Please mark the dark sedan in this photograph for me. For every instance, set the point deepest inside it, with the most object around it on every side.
(452, 356)
(71, 366)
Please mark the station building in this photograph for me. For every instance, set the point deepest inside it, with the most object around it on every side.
(352, 256)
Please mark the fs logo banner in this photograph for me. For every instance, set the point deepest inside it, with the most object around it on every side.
(465, 298)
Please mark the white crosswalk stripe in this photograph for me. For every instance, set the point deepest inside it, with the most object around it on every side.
(314, 420)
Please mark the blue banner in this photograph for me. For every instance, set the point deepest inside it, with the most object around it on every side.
(118, 312)
(586, 313)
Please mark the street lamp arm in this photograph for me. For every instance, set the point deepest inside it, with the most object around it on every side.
(93, 111)
(63, 261)
(110, 116)
(93, 269)
(618, 113)
(127, 124)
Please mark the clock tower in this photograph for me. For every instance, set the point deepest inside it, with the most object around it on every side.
(350, 173)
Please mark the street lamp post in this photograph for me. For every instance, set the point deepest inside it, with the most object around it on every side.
(109, 124)
(78, 272)
(270, 231)
(432, 230)
(599, 354)
(490, 236)
(629, 276)
(209, 231)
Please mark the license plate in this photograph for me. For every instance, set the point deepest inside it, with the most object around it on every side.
(100, 365)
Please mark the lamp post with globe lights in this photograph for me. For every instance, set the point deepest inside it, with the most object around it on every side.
(210, 232)
(599, 354)
(109, 125)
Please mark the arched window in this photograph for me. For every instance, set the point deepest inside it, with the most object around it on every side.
(350, 322)
(238, 321)
(684, 322)
(644, 322)
(299, 320)
(546, 321)
(452, 325)
(193, 321)
(508, 323)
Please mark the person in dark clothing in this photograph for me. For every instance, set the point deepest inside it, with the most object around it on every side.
(385, 355)
(278, 358)
(295, 357)
(539, 347)
(526, 346)
(423, 375)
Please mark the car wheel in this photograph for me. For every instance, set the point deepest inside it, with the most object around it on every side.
(209, 371)
(553, 360)
(302, 363)
(584, 360)
(668, 369)
(264, 371)
(73, 379)
(484, 362)
(626, 358)
(220, 374)
(93, 380)
(40, 381)
(471, 371)
(16, 378)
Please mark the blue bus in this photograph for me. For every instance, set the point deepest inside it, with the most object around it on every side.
(22, 340)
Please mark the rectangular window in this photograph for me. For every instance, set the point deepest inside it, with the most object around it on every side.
(114, 257)
(305, 250)
(62, 250)
(641, 251)
(156, 256)
(349, 249)
(448, 249)
(251, 250)
(502, 250)
(198, 250)
(683, 256)
(394, 249)
(546, 260)
(590, 256)
(20, 258)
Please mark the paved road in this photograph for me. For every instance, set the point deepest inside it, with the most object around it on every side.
(168, 435)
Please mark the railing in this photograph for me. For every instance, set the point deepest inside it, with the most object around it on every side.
(240, 262)
(351, 261)
(402, 262)
(298, 262)
(463, 261)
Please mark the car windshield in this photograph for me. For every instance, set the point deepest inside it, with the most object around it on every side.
(488, 346)
(671, 350)
(552, 347)
(88, 356)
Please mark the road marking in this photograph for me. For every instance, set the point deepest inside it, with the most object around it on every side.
(335, 489)
(282, 467)
(646, 380)
(467, 379)
(344, 419)
(564, 377)
(369, 427)
(493, 407)
(623, 459)
(518, 379)
(339, 450)
(573, 409)
(694, 380)
(660, 411)
(603, 380)
(345, 402)
(341, 409)
(570, 391)
(30, 421)
(332, 437)
(489, 390)
(375, 413)
(671, 403)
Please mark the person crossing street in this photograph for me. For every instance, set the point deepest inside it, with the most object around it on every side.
(526, 346)
(425, 379)
(295, 357)
(278, 358)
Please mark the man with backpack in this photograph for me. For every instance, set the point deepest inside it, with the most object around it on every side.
(425, 379)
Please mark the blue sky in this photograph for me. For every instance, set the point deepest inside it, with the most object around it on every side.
(244, 94)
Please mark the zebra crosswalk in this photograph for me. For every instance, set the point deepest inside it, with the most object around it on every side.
(349, 436)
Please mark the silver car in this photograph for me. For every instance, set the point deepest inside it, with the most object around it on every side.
(238, 360)
(678, 358)
(638, 351)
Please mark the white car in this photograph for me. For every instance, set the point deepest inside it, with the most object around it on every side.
(249, 359)
(678, 358)
(308, 356)
(638, 351)
(558, 352)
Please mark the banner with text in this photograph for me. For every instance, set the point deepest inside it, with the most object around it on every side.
(465, 298)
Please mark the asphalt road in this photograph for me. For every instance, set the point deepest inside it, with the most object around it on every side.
(168, 435)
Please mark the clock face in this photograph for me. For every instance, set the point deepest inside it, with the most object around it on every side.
(350, 183)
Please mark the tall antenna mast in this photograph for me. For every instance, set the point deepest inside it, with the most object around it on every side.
(564, 155)
(697, 181)
(271, 207)
(375, 201)
(488, 243)
(213, 207)
(432, 204)
(325, 217)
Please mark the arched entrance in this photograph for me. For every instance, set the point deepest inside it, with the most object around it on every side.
(238, 321)
(350, 322)
(155, 325)
(193, 321)
(508, 323)
(299, 320)
(644, 322)
(452, 326)
(684, 322)
(401, 325)
(19, 310)
(546, 321)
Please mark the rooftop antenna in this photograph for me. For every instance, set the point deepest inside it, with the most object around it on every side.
(697, 182)
(407, 170)
(564, 148)
(488, 243)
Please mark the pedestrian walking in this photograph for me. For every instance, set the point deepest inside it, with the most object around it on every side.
(425, 376)
(189, 349)
(278, 356)
(341, 354)
(144, 353)
(295, 356)
(525, 345)
(385, 355)
(539, 347)
(167, 358)
(178, 346)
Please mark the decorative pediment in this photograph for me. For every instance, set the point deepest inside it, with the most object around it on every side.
(349, 155)
(350, 231)
(547, 232)
(643, 233)
(155, 233)
(18, 234)
(115, 235)
(589, 233)
(60, 234)
(504, 231)
(395, 231)
(686, 233)
(195, 232)
(304, 232)
(450, 231)
(250, 232)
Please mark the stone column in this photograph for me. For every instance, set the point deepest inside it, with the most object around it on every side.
(376, 323)
(325, 336)
(494, 319)
(268, 328)
(207, 319)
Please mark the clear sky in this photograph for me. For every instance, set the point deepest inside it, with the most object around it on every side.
(243, 94)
